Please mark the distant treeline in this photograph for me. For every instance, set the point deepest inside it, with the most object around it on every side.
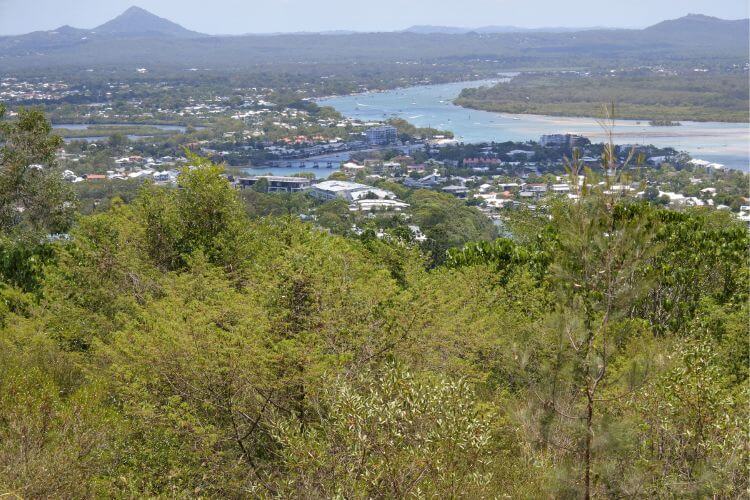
(637, 95)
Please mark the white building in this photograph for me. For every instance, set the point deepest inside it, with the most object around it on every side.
(349, 191)
(369, 205)
(381, 135)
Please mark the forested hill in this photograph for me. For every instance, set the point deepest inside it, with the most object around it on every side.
(683, 41)
(176, 346)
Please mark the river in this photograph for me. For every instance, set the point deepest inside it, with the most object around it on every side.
(431, 105)
(133, 137)
(318, 166)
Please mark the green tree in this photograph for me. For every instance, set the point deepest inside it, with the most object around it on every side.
(261, 185)
(448, 222)
(601, 247)
(33, 195)
(34, 200)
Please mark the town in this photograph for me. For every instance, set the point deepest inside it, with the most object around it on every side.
(279, 143)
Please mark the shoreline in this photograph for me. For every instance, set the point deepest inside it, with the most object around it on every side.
(560, 115)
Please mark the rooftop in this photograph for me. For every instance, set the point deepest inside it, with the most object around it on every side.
(338, 186)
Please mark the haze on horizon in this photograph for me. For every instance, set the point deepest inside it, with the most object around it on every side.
(256, 16)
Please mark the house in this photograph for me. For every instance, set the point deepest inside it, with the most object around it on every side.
(481, 162)
(402, 160)
(417, 233)
(377, 205)
(706, 164)
(657, 160)
(520, 152)
(457, 191)
(276, 184)
(166, 176)
(533, 190)
(427, 181)
(351, 166)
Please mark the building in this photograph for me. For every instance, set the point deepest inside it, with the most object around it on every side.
(425, 182)
(276, 184)
(533, 191)
(522, 152)
(351, 166)
(386, 134)
(379, 205)
(563, 141)
(457, 191)
(481, 162)
(167, 176)
(349, 191)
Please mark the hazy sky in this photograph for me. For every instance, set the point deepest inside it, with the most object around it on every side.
(259, 16)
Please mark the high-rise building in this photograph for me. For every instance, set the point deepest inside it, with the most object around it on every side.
(386, 134)
(563, 141)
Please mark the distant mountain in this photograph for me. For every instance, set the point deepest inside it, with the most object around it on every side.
(452, 30)
(694, 27)
(698, 25)
(138, 39)
(131, 24)
(139, 22)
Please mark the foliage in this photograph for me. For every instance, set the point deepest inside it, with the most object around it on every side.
(33, 196)
(200, 341)
(447, 222)
(391, 435)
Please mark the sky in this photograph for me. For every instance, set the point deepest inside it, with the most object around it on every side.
(265, 16)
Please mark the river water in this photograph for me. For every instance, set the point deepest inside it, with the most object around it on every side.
(78, 126)
(431, 105)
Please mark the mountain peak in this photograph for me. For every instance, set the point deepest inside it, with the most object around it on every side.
(699, 20)
(136, 21)
(134, 9)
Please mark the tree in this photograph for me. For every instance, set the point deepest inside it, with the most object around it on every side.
(35, 202)
(33, 196)
(448, 222)
(261, 185)
(338, 176)
(598, 255)
(118, 141)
